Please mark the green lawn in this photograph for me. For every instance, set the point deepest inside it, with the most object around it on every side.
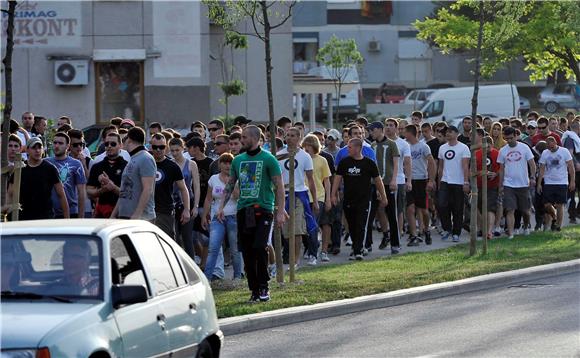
(338, 281)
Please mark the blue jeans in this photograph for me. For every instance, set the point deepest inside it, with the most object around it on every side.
(217, 231)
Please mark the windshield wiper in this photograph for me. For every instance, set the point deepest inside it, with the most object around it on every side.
(34, 296)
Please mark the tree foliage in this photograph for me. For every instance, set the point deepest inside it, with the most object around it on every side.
(545, 33)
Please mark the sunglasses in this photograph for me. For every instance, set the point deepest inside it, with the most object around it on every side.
(158, 147)
(76, 145)
(543, 127)
(530, 127)
(220, 143)
(111, 144)
(213, 129)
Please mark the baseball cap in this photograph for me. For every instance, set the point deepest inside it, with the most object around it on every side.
(452, 129)
(375, 125)
(241, 120)
(334, 134)
(34, 141)
(533, 124)
(127, 121)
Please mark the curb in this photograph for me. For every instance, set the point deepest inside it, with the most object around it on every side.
(285, 316)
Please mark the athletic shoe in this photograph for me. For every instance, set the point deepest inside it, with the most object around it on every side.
(365, 252)
(312, 261)
(511, 237)
(413, 241)
(264, 295)
(518, 232)
(351, 256)
(527, 231)
(348, 242)
(336, 251)
(358, 257)
(296, 267)
(497, 231)
(395, 250)
(254, 298)
(369, 249)
(466, 227)
(573, 220)
(306, 256)
(554, 227)
(455, 238)
(384, 243)
(272, 270)
(445, 236)
(427, 237)
(324, 257)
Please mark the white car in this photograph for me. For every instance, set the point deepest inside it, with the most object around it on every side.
(102, 288)
(560, 96)
(417, 98)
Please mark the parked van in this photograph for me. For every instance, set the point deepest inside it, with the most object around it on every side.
(448, 103)
(349, 101)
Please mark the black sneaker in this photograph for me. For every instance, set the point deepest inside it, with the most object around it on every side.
(351, 256)
(384, 243)
(264, 295)
(369, 249)
(554, 226)
(427, 237)
(254, 298)
(395, 250)
(335, 251)
(413, 241)
(573, 220)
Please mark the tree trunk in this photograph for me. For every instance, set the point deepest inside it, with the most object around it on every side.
(473, 170)
(484, 222)
(7, 62)
(338, 92)
(573, 63)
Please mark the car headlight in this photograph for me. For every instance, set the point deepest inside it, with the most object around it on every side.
(25, 353)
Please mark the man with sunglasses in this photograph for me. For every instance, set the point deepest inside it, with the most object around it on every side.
(544, 132)
(105, 177)
(78, 151)
(221, 146)
(215, 128)
(72, 176)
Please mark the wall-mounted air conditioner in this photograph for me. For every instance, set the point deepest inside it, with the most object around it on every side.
(71, 72)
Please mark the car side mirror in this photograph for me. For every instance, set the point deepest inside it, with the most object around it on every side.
(128, 294)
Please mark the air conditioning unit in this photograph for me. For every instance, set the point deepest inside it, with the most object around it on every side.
(374, 46)
(71, 72)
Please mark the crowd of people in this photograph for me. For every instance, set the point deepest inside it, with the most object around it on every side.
(218, 191)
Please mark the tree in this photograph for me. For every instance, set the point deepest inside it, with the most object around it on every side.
(7, 110)
(339, 56)
(230, 85)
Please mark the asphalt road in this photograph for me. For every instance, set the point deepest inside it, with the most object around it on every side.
(540, 319)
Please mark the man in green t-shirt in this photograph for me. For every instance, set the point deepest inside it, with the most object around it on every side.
(256, 171)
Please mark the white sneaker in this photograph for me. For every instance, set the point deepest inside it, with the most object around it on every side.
(365, 252)
(518, 232)
(306, 256)
(324, 257)
(511, 237)
(527, 231)
(455, 238)
(312, 261)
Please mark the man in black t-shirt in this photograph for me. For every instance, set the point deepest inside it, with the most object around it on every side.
(196, 149)
(37, 181)
(357, 172)
(168, 174)
(105, 177)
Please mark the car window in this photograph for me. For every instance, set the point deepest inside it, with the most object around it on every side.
(57, 265)
(413, 95)
(126, 267)
(187, 265)
(159, 269)
(170, 253)
(434, 109)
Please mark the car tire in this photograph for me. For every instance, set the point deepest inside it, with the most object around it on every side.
(204, 350)
(551, 107)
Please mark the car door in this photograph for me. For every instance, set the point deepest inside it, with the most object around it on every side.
(142, 332)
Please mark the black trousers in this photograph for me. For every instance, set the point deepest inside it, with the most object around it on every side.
(574, 208)
(451, 203)
(253, 232)
(391, 211)
(356, 215)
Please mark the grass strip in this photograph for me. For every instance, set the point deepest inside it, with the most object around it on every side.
(331, 282)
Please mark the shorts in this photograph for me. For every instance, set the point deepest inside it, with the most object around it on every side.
(401, 198)
(324, 217)
(299, 221)
(516, 198)
(493, 200)
(555, 194)
(418, 195)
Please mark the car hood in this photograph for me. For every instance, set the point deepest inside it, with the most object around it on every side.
(24, 324)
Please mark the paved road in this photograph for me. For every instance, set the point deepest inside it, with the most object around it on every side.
(538, 320)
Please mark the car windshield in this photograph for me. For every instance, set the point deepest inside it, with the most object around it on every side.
(51, 266)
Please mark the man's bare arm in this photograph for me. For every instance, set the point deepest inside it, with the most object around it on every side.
(228, 190)
(148, 185)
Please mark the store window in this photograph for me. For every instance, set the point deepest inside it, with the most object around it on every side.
(119, 91)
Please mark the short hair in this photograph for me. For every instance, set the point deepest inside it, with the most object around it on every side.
(67, 119)
(417, 114)
(356, 141)
(38, 119)
(279, 143)
(217, 122)
(63, 135)
(176, 141)
(466, 118)
(295, 130)
(551, 139)
(262, 128)
(480, 132)
(196, 142)
(362, 120)
(159, 136)
(82, 244)
(299, 124)
(543, 120)
(226, 158)
(167, 135)
(563, 120)
(76, 134)
(197, 124)
(517, 123)
(107, 129)
(156, 125)
(352, 128)
(223, 136)
(282, 121)
(411, 128)
(14, 126)
(137, 135)
(533, 114)
(426, 125)
(15, 138)
(116, 121)
(509, 131)
(122, 131)
(64, 128)
(116, 135)
(235, 136)
(575, 125)
(392, 120)
(253, 130)
(312, 140)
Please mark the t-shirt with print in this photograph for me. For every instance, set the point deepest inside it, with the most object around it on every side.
(405, 152)
(556, 172)
(36, 185)
(386, 151)
(203, 166)
(491, 165)
(515, 162)
(254, 173)
(71, 173)
(168, 172)
(141, 165)
(452, 156)
(320, 172)
(302, 163)
(357, 175)
(114, 170)
(419, 165)
(541, 137)
(217, 192)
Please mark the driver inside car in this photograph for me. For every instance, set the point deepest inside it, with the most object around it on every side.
(77, 280)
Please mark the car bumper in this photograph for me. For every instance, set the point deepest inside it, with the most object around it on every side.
(220, 335)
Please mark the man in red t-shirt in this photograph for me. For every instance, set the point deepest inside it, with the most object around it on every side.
(492, 179)
(544, 132)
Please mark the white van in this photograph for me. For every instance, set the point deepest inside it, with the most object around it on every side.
(349, 101)
(446, 104)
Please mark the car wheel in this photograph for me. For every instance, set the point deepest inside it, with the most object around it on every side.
(551, 107)
(204, 350)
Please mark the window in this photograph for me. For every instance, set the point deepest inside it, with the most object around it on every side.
(173, 262)
(119, 90)
(126, 267)
(434, 109)
(151, 252)
(192, 276)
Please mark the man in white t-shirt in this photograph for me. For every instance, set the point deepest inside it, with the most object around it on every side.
(514, 181)
(453, 174)
(305, 223)
(557, 171)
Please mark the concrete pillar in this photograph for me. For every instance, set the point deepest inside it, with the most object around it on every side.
(330, 111)
(312, 112)
(298, 107)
